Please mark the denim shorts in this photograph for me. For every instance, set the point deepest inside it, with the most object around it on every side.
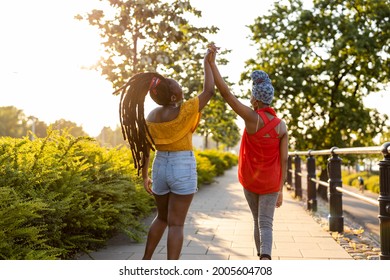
(174, 172)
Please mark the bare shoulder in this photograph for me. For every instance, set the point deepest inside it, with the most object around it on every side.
(283, 128)
(153, 115)
(163, 114)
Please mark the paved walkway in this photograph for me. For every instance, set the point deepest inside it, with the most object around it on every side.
(219, 227)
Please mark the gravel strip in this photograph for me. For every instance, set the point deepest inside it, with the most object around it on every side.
(355, 241)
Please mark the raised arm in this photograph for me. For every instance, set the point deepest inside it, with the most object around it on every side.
(208, 84)
(242, 110)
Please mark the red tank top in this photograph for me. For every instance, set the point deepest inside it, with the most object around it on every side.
(259, 168)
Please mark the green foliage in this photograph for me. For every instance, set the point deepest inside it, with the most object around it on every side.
(371, 181)
(206, 170)
(219, 121)
(69, 128)
(230, 159)
(149, 35)
(22, 236)
(323, 61)
(385, 137)
(220, 160)
(111, 138)
(12, 122)
(64, 194)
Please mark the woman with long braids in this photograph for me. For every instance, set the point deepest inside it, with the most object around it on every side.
(167, 129)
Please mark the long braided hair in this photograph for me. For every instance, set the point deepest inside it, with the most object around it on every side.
(131, 112)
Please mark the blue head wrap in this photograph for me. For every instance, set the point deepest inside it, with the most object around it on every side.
(262, 88)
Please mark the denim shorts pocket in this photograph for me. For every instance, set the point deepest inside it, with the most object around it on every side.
(184, 172)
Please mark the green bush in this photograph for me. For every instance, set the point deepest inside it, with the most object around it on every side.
(371, 181)
(230, 159)
(22, 236)
(72, 194)
(206, 171)
(218, 159)
(212, 163)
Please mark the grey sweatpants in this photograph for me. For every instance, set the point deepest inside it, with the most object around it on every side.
(262, 207)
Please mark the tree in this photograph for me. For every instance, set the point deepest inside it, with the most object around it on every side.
(72, 128)
(148, 35)
(323, 61)
(385, 137)
(219, 122)
(111, 138)
(13, 122)
(153, 35)
(38, 128)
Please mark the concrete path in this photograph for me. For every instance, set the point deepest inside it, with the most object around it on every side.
(219, 227)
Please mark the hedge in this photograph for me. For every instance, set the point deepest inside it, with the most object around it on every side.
(371, 180)
(60, 195)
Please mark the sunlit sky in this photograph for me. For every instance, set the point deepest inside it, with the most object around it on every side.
(43, 50)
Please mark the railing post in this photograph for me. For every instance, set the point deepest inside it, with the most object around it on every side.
(289, 173)
(323, 190)
(384, 202)
(311, 186)
(298, 177)
(336, 219)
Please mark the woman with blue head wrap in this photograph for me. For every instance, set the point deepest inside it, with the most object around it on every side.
(262, 89)
(262, 167)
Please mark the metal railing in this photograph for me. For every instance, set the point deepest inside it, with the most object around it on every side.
(335, 189)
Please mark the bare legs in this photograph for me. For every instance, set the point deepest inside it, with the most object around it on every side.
(177, 212)
(158, 226)
(171, 212)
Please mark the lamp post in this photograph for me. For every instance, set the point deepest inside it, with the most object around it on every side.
(33, 121)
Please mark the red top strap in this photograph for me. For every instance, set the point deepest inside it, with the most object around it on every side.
(269, 125)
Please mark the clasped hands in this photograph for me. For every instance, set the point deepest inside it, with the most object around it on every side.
(212, 51)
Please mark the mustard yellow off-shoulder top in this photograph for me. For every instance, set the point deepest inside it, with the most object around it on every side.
(176, 135)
